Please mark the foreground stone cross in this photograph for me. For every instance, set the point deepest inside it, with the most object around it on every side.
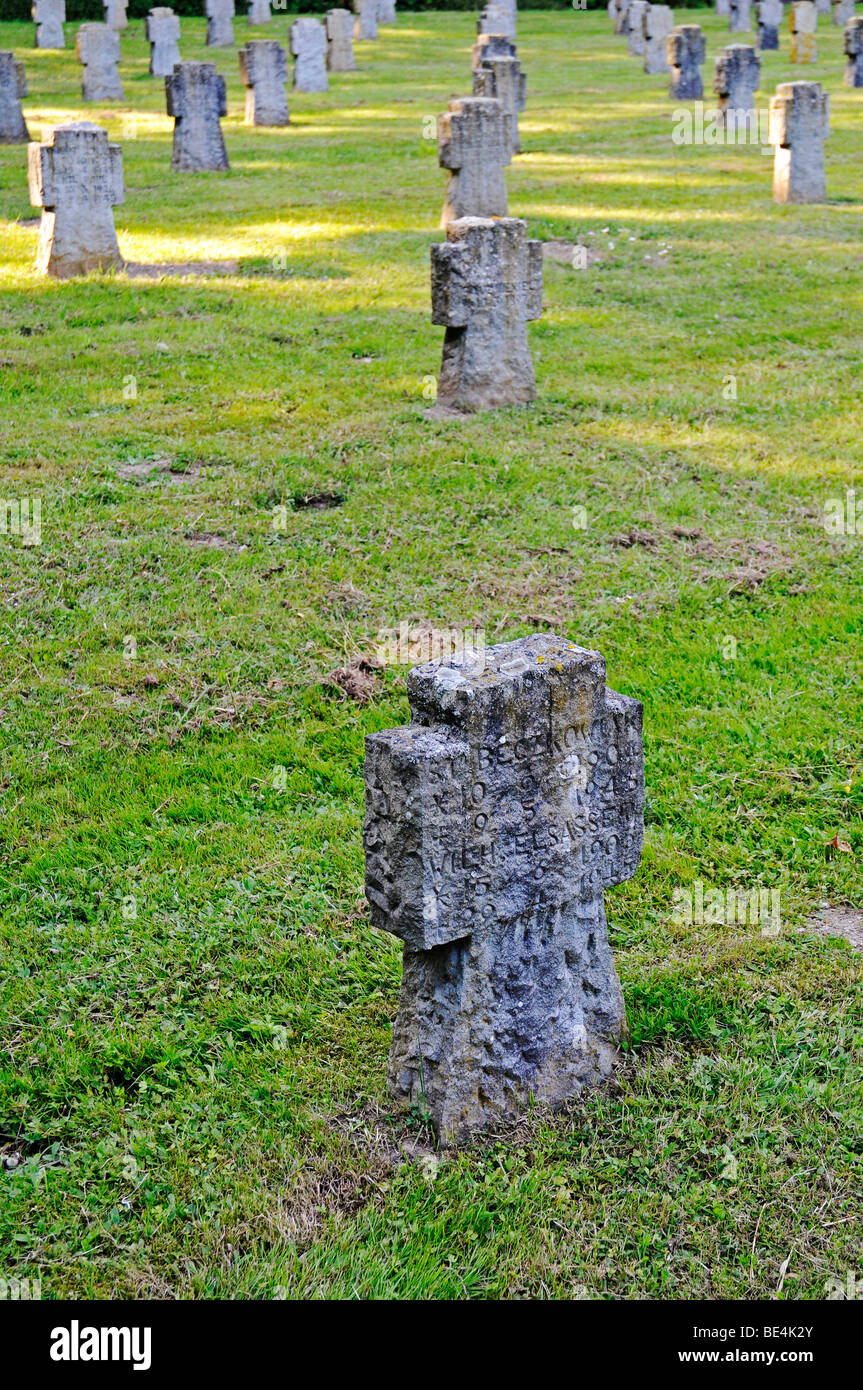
(486, 286)
(309, 47)
(803, 21)
(115, 13)
(503, 79)
(494, 823)
(49, 17)
(658, 22)
(739, 21)
(737, 75)
(686, 50)
(97, 47)
(366, 22)
(13, 86)
(76, 177)
(499, 17)
(473, 143)
(843, 12)
(340, 41)
(799, 123)
(769, 16)
(635, 38)
(196, 98)
(220, 23)
(163, 36)
(259, 12)
(264, 70)
(852, 39)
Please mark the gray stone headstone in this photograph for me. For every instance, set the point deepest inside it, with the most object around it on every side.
(686, 50)
(852, 42)
(495, 821)
(723, 9)
(492, 46)
(339, 25)
(503, 79)
(486, 285)
(264, 70)
(386, 11)
(768, 14)
(803, 22)
(620, 15)
(843, 12)
(258, 12)
(658, 22)
(737, 75)
(366, 22)
(76, 178)
(473, 143)
(309, 47)
(163, 35)
(13, 86)
(499, 17)
(799, 123)
(49, 16)
(220, 23)
(97, 48)
(635, 37)
(196, 99)
(739, 19)
(823, 6)
(115, 13)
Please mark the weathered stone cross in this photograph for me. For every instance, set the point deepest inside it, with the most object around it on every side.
(97, 48)
(473, 143)
(340, 41)
(220, 23)
(115, 13)
(13, 86)
(76, 177)
(503, 78)
(657, 22)
(769, 16)
(49, 17)
(852, 39)
(686, 50)
(494, 823)
(737, 74)
(799, 123)
(163, 36)
(196, 98)
(309, 47)
(264, 70)
(803, 22)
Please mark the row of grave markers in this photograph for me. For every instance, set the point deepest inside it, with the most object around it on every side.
(646, 28)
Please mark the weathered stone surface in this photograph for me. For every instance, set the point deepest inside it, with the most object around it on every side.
(220, 23)
(737, 75)
(49, 17)
(799, 123)
(492, 46)
(723, 8)
(823, 6)
(686, 50)
(494, 823)
(619, 10)
(386, 11)
(852, 41)
(473, 143)
(503, 79)
(739, 20)
(366, 22)
(486, 285)
(309, 47)
(196, 99)
(499, 17)
(13, 86)
(97, 48)
(76, 178)
(163, 35)
(658, 22)
(264, 70)
(115, 13)
(843, 12)
(803, 21)
(768, 14)
(635, 37)
(340, 41)
(258, 12)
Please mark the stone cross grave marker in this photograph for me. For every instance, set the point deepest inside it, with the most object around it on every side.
(843, 12)
(486, 286)
(769, 16)
(49, 16)
(803, 21)
(386, 11)
(473, 143)
(163, 35)
(220, 23)
(264, 70)
(340, 41)
(258, 12)
(97, 48)
(491, 46)
(196, 98)
(115, 13)
(498, 17)
(739, 20)
(852, 41)
(737, 75)
(723, 8)
(13, 86)
(366, 22)
(686, 49)
(658, 22)
(620, 15)
(823, 6)
(495, 821)
(799, 123)
(76, 178)
(503, 79)
(635, 37)
(309, 47)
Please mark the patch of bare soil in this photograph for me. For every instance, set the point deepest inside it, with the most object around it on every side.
(840, 921)
(571, 253)
(144, 271)
(357, 680)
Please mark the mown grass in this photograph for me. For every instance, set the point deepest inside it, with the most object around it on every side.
(196, 1011)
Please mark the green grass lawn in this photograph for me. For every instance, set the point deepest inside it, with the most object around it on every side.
(196, 1011)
